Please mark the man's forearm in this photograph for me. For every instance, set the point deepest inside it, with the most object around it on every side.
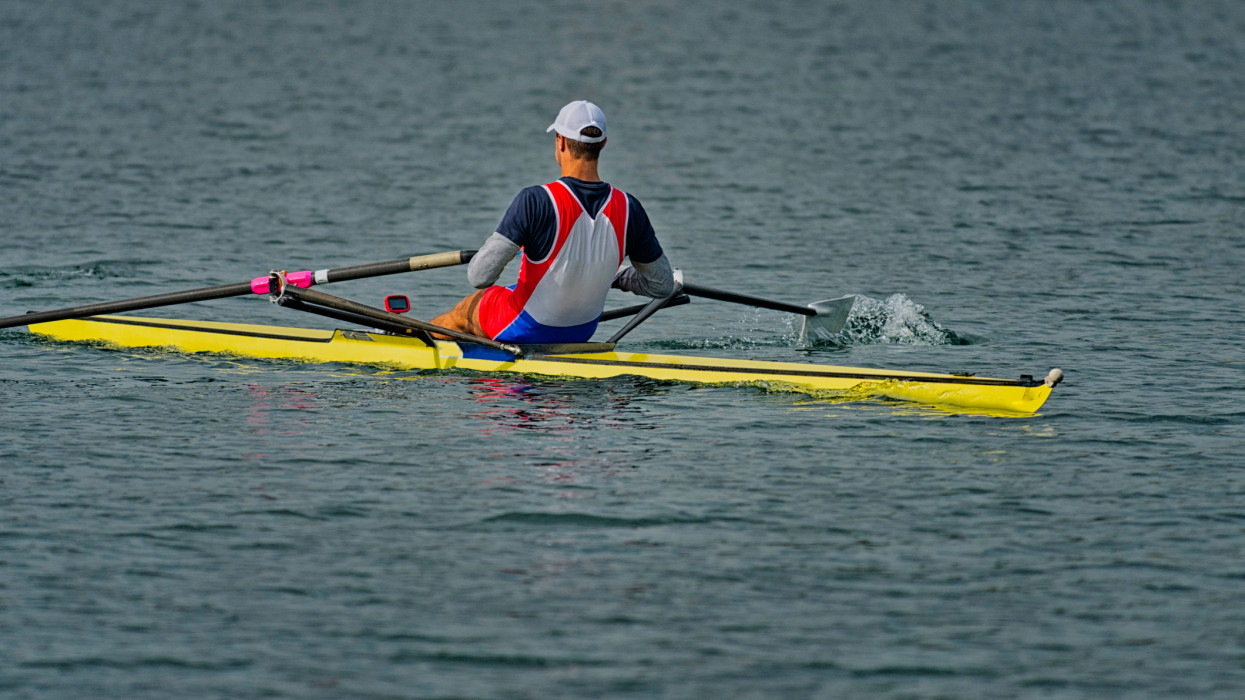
(654, 279)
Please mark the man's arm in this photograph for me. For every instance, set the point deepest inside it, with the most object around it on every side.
(489, 260)
(654, 279)
(530, 222)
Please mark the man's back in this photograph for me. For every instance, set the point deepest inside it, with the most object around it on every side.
(574, 233)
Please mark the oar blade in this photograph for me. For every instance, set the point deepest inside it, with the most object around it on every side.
(829, 320)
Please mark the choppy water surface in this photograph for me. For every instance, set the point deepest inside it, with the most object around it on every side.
(1008, 187)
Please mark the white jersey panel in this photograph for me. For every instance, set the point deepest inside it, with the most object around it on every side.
(572, 291)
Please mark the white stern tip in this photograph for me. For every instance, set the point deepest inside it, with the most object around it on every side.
(1053, 377)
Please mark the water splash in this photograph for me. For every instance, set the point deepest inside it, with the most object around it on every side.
(896, 320)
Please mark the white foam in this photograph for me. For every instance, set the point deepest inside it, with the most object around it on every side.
(897, 320)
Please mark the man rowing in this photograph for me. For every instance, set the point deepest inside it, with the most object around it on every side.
(574, 233)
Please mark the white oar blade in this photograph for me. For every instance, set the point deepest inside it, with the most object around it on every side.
(831, 317)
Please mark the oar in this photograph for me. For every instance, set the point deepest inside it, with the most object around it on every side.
(649, 309)
(615, 314)
(821, 318)
(259, 285)
(310, 296)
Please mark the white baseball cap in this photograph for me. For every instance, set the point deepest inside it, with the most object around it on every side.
(577, 116)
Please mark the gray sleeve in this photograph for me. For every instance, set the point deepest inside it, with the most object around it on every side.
(654, 279)
(489, 260)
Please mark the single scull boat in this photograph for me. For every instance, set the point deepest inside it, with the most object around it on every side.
(390, 339)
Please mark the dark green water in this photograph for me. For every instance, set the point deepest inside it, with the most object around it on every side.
(1055, 184)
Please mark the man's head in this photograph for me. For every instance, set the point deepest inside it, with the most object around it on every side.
(581, 128)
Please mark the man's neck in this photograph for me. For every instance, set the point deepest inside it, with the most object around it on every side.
(585, 170)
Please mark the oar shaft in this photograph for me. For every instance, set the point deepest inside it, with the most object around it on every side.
(290, 302)
(321, 299)
(341, 274)
(614, 314)
(649, 309)
(111, 307)
(709, 293)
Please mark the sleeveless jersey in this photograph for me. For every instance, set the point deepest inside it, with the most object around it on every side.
(559, 298)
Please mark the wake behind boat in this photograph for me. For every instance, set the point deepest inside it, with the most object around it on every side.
(390, 339)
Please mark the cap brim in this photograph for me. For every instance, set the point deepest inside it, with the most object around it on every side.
(576, 137)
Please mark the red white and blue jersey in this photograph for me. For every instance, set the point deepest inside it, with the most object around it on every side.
(574, 236)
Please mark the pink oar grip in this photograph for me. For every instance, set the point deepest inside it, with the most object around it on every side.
(303, 279)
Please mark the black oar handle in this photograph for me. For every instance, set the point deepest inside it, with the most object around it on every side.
(709, 293)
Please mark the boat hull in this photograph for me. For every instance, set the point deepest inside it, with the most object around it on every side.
(411, 353)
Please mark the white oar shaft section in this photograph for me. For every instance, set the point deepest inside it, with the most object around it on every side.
(258, 285)
(307, 278)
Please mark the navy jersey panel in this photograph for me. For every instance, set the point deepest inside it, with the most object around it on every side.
(642, 245)
(531, 220)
